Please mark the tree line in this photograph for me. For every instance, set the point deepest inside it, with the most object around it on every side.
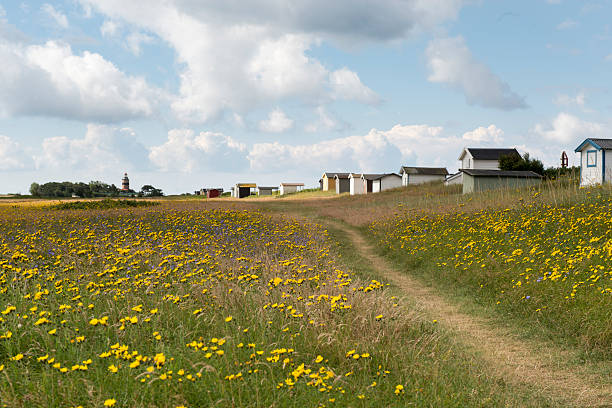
(93, 189)
(525, 162)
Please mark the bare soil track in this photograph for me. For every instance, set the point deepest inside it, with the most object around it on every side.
(515, 360)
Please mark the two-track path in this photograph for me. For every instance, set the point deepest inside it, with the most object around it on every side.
(517, 361)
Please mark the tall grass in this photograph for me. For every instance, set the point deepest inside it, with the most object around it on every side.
(172, 306)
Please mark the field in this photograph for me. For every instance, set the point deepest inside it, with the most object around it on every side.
(549, 265)
(187, 306)
(201, 303)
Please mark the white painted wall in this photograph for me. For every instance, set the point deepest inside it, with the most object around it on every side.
(288, 189)
(404, 179)
(376, 186)
(485, 164)
(591, 175)
(356, 184)
(388, 182)
(423, 178)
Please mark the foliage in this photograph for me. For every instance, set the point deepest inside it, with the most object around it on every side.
(550, 265)
(68, 189)
(571, 173)
(102, 205)
(150, 191)
(518, 163)
(179, 307)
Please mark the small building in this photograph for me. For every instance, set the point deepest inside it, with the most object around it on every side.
(368, 182)
(355, 184)
(242, 190)
(343, 183)
(286, 188)
(328, 182)
(419, 175)
(595, 161)
(214, 192)
(484, 158)
(484, 179)
(386, 182)
(265, 191)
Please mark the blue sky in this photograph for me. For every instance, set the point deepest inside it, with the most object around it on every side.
(184, 94)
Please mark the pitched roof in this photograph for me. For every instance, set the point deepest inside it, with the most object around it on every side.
(433, 171)
(598, 143)
(371, 176)
(386, 175)
(341, 175)
(485, 153)
(501, 173)
(292, 184)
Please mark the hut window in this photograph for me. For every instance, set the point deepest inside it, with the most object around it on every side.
(591, 158)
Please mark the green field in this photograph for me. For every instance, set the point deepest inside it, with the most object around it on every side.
(269, 303)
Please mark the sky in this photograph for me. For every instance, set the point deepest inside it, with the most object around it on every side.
(188, 94)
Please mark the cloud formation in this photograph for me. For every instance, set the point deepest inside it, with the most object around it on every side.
(566, 128)
(277, 122)
(376, 151)
(50, 80)
(58, 17)
(184, 151)
(103, 149)
(12, 155)
(451, 62)
(261, 48)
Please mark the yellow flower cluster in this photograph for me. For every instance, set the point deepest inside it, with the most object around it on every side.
(167, 302)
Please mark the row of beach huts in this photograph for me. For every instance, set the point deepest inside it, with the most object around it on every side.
(478, 171)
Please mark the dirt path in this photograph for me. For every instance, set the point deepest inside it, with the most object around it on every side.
(516, 361)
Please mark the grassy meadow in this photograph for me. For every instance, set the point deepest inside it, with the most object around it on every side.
(544, 261)
(187, 305)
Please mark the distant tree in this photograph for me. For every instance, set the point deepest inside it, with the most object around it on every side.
(518, 163)
(34, 189)
(150, 191)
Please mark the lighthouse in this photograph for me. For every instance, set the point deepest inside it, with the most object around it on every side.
(125, 183)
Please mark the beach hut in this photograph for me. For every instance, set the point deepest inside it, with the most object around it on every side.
(355, 184)
(481, 158)
(386, 182)
(483, 179)
(419, 175)
(286, 188)
(343, 183)
(242, 190)
(595, 161)
(265, 191)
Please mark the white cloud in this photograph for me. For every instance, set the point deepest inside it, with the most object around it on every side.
(345, 84)
(325, 122)
(57, 16)
(451, 62)
(135, 40)
(566, 128)
(12, 155)
(608, 57)
(261, 48)
(102, 149)
(484, 134)
(50, 80)
(277, 122)
(109, 28)
(566, 100)
(567, 24)
(2, 12)
(377, 151)
(185, 151)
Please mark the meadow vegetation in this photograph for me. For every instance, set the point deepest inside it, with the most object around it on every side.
(188, 305)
